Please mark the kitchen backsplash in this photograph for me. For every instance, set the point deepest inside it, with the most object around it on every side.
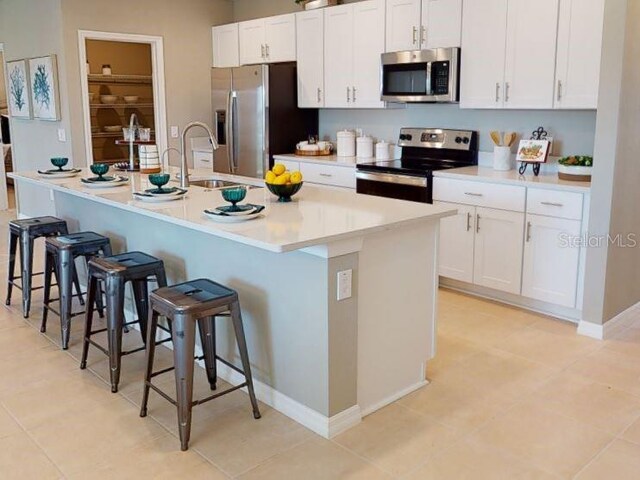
(573, 131)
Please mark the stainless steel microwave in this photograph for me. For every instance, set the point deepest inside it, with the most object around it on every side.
(421, 76)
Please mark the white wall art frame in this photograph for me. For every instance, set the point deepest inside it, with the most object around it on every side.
(45, 98)
(18, 96)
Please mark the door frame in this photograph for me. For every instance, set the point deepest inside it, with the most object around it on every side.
(4, 195)
(158, 74)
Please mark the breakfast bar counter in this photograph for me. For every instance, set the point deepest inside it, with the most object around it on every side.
(338, 289)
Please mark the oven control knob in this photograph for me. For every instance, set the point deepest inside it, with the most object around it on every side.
(403, 136)
(465, 140)
(458, 139)
(408, 137)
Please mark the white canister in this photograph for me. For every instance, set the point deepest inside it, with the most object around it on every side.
(383, 150)
(346, 143)
(502, 158)
(364, 147)
(106, 69)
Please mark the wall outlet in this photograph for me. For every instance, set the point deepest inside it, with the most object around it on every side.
(175, 131)
(345, 279)
(62, 135)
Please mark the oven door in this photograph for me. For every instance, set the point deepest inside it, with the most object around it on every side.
(391, 185)
(421, 76)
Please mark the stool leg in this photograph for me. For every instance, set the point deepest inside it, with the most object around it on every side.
(236, 316)
(150, 353)
(184, 342)
(13, 248)
(115, 319)
(161, 278)
(98, 298)
(76, 284)
(65, 281)
(141, 297)
(49, 266)
(207, 328)
(88, 320)
(26, 255)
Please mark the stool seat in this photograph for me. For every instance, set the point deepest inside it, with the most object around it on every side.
(114, 271)
(194, 297)
(78, 241)
(39, 226)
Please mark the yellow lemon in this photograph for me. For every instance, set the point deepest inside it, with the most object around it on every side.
(270, 177)
(281, 180)
(296, 177)
(279, 169)
(287, 177)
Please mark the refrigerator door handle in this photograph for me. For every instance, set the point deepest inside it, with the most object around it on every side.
(230, 131)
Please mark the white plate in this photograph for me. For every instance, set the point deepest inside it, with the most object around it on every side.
(164, 199)
(232, 218)
(116, 183)
(59, 175)
(221, 209)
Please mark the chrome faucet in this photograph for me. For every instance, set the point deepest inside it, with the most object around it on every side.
(133, 121)
(184, 168)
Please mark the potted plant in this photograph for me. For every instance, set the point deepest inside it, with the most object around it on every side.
(311, 4)
(575, 168)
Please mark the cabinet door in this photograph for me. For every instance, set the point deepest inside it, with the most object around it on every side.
(368, 46)
(203, 160)
(579, 51)
(280, 38)
(498, 249)
(310, 52)
(550, 271)
(441, 23)
(530, 60)
(252, 49)
(338, 56)
(403, 25)
(456, 243)
(484, 33)
(226, 48)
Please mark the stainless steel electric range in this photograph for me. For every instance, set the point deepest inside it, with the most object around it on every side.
(423, 152)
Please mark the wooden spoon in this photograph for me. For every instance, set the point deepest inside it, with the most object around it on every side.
(509, 138)
(495, 136)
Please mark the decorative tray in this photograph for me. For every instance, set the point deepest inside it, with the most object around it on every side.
(315, 153)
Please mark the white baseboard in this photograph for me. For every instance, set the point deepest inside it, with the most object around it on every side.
(396, 396)
(610, 328)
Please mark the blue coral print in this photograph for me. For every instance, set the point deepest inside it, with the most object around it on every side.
(17, 84)
(42, 87)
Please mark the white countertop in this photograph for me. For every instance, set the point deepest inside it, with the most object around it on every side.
(318, 215)
(325, 160)
(512, 177)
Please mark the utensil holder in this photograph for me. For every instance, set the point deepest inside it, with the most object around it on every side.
(502, 158)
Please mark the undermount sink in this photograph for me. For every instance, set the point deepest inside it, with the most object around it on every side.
(219, 184)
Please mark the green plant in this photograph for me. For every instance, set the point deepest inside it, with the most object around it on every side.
(577, 161)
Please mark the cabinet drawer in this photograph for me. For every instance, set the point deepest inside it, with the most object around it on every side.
(203, 160)
(554, 203)
(329, 175)
(490, 195)
(289, 165)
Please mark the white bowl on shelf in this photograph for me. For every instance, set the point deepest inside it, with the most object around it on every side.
(108, 98)
(131, 98)
(112, 128)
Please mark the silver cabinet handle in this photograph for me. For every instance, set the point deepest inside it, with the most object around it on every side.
(348, 95)
(497, 92)
(262, 51)
(471, 194)
(328, 175)
(507, 87)
(415, 35)
(423, 34)
(552, 204)
(477, 223)
(266, 49)
(559, 90)
(528, 232)
(319, 95)
(354, 94)
(468, 221)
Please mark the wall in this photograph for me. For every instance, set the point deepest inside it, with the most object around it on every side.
(186, 29)
(3, 90)
(613, 272)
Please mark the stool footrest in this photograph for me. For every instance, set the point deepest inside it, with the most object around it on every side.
(219, 394)
(229, 364)
(161, 393)
(99, 347)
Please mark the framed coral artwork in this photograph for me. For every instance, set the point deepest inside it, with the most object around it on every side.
(43, 74)
(18, 89)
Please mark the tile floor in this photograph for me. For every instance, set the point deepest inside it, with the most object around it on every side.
(513, 396)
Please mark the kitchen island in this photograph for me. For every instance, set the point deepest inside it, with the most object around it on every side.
(322, 361)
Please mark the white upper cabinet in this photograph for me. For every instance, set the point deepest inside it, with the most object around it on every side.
(484, 34)
(310, 53)
(353, 44)
(441, 23)
(268, 40)
(420, 24)
(530, 53)
(226, 49)
(579, 53)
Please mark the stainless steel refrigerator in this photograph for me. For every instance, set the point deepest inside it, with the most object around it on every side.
(256, 116)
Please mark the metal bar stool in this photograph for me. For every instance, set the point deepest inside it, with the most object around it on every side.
(199, 301)
(22, 234)
(61, 253)
(137, 268)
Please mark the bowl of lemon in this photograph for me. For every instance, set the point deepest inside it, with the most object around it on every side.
(282, 183)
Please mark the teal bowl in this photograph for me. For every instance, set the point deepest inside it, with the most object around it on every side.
(234, 195)
(59, 162)
(284, 192)
(99, 169)
(159, 179)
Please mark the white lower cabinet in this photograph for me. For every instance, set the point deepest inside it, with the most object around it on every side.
(497, 260)
(550, 271)
(456, 243)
